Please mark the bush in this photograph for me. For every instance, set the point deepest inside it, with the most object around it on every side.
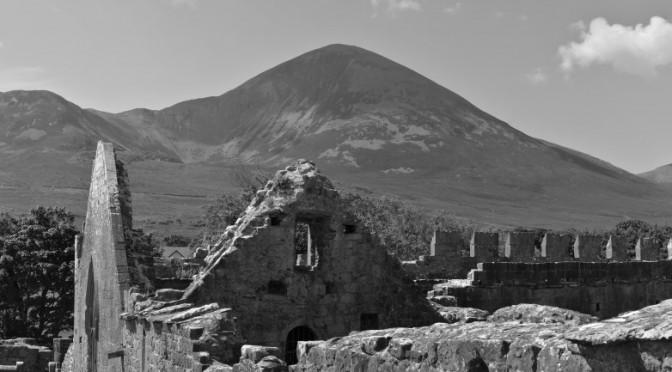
(36, 274)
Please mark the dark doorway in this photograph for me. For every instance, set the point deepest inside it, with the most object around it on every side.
(300, 333)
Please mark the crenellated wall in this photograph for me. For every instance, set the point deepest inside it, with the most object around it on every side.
(446, 260)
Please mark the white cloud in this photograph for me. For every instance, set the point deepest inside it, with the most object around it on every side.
(2, 45)
(394, 6)
(23, 78)
(536, 77)
(453, 9)
(637, 50)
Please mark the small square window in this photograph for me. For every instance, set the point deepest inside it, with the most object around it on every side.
(277, 287)
(349, 229)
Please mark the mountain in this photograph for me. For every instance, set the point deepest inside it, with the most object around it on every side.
(367, 122)
(46, 120)
(660, 175)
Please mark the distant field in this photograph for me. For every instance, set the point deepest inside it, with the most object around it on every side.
(168, 198)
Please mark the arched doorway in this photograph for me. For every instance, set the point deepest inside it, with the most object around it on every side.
(300, 333)
(91, 318)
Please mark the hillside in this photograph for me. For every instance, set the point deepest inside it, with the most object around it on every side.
(366, 121)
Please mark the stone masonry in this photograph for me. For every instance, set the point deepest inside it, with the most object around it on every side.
(261, 283)
(102, 276)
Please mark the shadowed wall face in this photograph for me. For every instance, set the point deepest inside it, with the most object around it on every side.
(102, 274)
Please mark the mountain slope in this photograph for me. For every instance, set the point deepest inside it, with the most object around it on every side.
(42, 119)
(366, 121)
(660, 175)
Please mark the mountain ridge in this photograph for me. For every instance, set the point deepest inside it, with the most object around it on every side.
(367, 121)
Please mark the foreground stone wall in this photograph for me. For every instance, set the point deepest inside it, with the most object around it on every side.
(179, 338)
(636, 341)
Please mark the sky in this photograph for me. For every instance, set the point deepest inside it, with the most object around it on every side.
(595, 76)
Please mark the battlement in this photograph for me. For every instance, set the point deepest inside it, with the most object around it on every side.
(520, 247)
(583, 272)
(452, 257)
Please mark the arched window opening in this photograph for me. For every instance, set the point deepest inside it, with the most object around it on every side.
(311, 234)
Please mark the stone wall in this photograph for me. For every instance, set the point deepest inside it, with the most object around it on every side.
(446, 261)
(102, 274)
(599, 288)
(636, 341)
(25, 351)
(351, 283)
(179, 338)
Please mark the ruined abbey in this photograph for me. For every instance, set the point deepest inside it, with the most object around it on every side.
(256, 301)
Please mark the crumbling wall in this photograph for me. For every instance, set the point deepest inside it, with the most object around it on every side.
(350, 284)
(102, 275)
(636, 341)
(179, 337)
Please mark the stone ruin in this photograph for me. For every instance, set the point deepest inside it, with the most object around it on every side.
(578, 272)
(295, 267)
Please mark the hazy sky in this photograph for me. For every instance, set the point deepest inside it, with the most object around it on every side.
(590, 75)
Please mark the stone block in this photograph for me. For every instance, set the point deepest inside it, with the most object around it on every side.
(400, 348)
(374, 344)
(647, 249)
(587, 247)
(519, 246)
(256, 353)
(556, 247)
(483, 246)
(616, 249)
(446, 244)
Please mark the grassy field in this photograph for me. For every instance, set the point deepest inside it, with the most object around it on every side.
(168, 198)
